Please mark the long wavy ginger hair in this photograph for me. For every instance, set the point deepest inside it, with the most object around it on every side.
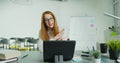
(44, 29)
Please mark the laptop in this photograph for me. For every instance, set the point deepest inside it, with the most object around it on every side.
(52, 48)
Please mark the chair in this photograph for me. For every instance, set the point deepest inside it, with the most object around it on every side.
(32, 42)
(16, 43)
(22, 42)
(5, 43)
(1, 45)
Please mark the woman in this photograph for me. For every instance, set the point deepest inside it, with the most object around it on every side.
(49, 28)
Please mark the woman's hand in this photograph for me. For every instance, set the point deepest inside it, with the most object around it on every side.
(59, 35)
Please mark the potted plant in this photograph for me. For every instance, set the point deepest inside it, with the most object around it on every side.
(114, 49)
(96, 55)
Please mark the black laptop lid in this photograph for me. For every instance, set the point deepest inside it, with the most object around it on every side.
(52, 48)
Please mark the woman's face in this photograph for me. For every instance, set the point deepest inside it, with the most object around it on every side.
(49, 21)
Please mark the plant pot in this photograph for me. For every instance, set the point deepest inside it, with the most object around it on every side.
(103, 48)
(97, 60)
(113, 54)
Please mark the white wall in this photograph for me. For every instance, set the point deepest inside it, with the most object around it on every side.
(108, 35)
(21, 18)
(95, 8)
(119, 16)
(117, 13)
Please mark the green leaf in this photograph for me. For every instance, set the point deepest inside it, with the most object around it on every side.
(114, 45)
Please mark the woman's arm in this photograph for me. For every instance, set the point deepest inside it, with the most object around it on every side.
(59, 35)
